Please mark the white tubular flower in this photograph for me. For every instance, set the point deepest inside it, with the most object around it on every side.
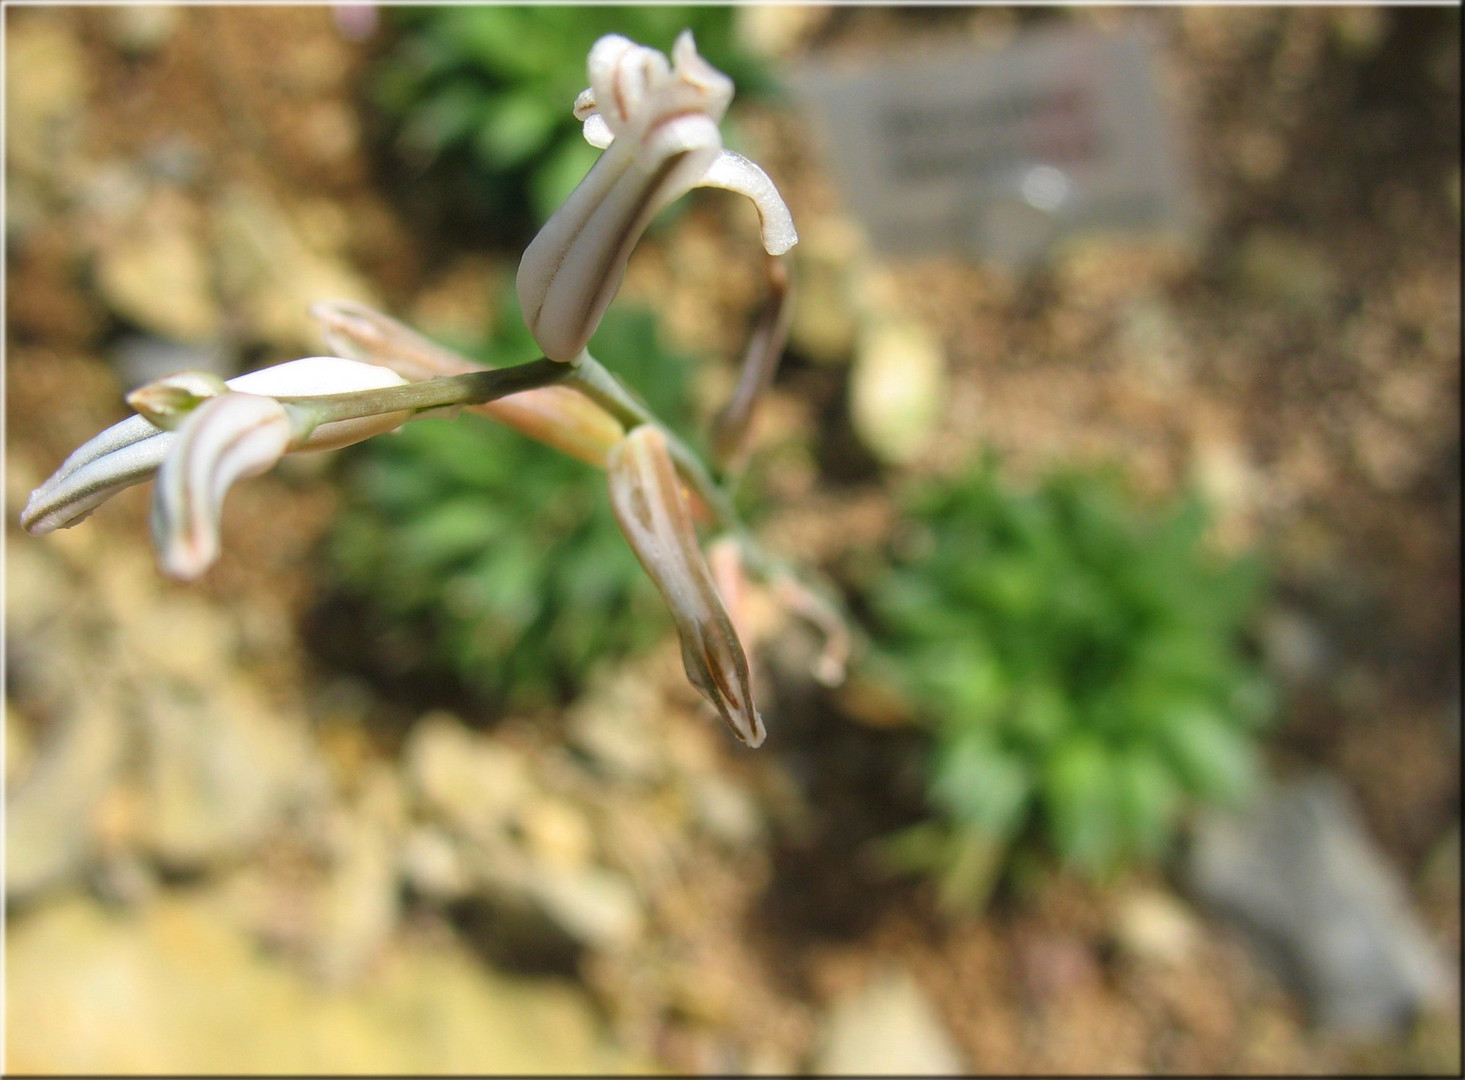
(658, 122)
(729, 170)
(646, 495)
(225, 439)
(132, 451)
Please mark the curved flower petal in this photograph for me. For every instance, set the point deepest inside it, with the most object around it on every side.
(733, 172)
(225, 439)
(126, 453)
(315, 375)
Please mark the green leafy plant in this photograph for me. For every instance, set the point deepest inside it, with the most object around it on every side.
(496, 560)
(1079, 659)
(480, 94)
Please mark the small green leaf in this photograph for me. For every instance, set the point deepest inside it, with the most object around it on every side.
(513, 127)
(981, 785)
(1040, 715)
(1149, 798)
(1213, 757)
(1081, 802)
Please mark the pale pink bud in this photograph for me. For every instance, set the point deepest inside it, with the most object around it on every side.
(557, 416)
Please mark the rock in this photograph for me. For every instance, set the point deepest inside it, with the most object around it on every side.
(20, 746)
(176, 160)
(360, 905)
(725, 811)
(270, 272)
(1285, 268)
(48, 818)
(1227, 478)
(897, 388)
(1298, 873)
(613, 724)
(177, 989)
(1390, 454)
(142, 29)
(142, 680)
(1154, 344)
(462, 779)
(156, 271)
(556, 833)
(826, 318)
(888, 1028)
(221, 768)
(595, 906)
(432, 865)
(47, 81)
(79, 748)
(1296, 647)
(1154, 926)
(775, 30)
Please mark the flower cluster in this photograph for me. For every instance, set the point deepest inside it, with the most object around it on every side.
(657, 122)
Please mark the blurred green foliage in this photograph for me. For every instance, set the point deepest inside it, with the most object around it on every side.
(484, 556)
(485, 93)
(1080, 660)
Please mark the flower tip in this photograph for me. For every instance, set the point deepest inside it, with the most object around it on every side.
(751, 734)
(33, 518)
(167, 401)
(829, 671)
(187, 558)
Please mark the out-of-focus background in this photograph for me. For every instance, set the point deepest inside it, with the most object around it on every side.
(1129, 434)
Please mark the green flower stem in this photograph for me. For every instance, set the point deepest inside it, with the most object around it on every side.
(815, 597)
(596, 382)
(591, 378)
(472, 388)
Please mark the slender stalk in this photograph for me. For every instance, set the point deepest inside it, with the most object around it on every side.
(587, 376)
(598, 383)
(471, 388)
(760, 364)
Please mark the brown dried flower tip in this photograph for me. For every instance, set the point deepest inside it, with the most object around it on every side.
(647, 498)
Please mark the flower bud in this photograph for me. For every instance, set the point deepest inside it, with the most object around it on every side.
(130, 452)
(647, 498)
(125, 454)
(557, 416)
(167, 401)
(319, 375)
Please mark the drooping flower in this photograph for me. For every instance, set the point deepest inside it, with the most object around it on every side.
(646, 495)
(658, 124)
(238, 439)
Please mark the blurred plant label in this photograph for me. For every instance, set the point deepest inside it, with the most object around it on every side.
(1001, 153)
